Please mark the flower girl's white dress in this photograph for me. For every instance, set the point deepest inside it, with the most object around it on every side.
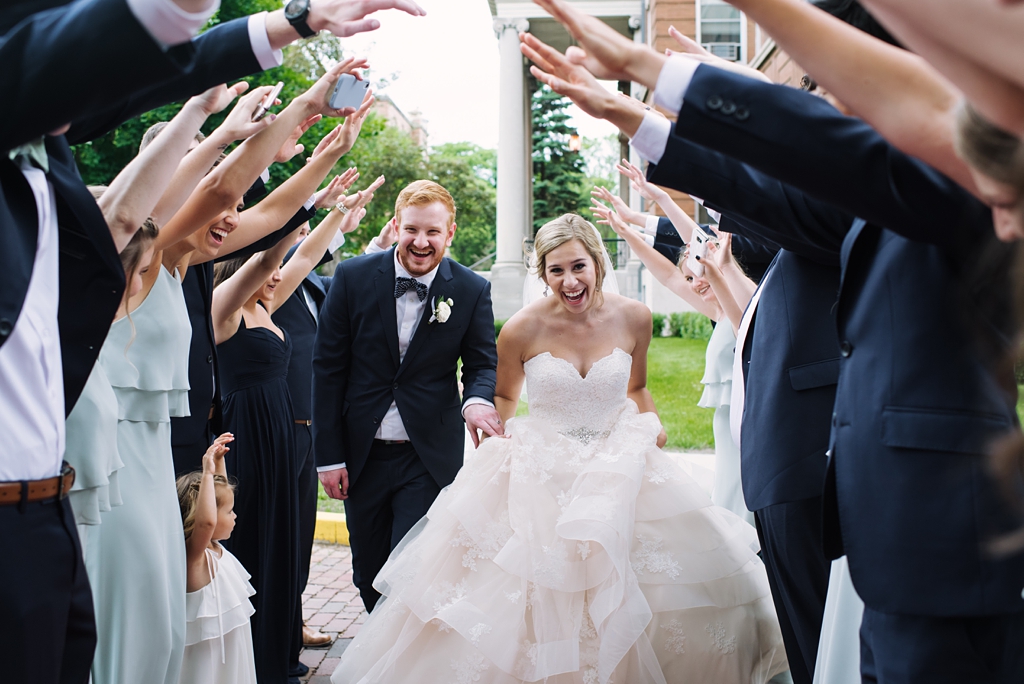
(218, 639)
(575, 551)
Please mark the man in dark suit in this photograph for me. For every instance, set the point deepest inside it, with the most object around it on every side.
(299, 316)
(387, 416)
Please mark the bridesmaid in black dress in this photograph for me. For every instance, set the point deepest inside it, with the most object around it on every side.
(257, 409)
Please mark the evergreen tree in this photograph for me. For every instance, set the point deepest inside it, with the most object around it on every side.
(558, 172)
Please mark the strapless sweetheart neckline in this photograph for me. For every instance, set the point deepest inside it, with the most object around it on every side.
(571, 365)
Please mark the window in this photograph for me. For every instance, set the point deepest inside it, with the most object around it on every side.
(720, 29)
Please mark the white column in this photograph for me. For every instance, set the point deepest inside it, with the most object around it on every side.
(637, 279)
(513, 206)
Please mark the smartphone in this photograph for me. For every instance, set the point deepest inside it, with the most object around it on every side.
(698, 248)
(267, 102)
(349, 92)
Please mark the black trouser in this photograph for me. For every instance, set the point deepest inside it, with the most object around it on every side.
(791, 546)
(307, 523)
(47, 627)
(393, 492)
(914, 649)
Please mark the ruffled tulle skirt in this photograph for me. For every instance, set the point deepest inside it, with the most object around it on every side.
(572, 556)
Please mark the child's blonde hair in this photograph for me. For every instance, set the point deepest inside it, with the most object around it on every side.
(188, 496)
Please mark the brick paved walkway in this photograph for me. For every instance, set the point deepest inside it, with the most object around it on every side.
(332, 605)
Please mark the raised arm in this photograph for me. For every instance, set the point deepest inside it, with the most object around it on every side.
(205, 521)
(731, 285)
(135, 193)
(228, 182)
(639, 320)
(895, 91)
(684, 225)
(280, 205)
(663, 270)
(311, 250)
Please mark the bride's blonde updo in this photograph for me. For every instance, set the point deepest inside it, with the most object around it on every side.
(561, 230)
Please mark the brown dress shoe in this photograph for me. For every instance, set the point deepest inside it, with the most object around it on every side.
(313, 639)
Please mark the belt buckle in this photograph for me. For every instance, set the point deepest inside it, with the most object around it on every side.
(66, 471)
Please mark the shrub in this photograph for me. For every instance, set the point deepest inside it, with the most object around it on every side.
(690, 326)
(659, 324)
(498, 322)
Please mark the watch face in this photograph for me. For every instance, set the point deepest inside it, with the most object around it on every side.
(295, 8)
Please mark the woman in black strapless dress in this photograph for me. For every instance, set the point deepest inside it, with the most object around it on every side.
(254, 355)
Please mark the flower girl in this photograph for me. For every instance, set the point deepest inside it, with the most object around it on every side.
(218, 641)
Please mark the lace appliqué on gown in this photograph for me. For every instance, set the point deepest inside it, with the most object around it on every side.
(573, 551)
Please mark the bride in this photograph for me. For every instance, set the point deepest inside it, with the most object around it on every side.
(572, 549)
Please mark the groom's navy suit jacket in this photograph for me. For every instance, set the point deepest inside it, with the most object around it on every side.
(357, 373)
(923, 320)
(792, 343)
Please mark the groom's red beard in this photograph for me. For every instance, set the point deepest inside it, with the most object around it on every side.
(419, 262)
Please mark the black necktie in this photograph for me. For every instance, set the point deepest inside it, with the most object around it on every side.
(403, 285)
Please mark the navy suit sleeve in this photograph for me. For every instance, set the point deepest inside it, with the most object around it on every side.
(67, 62)
(222, 55)
(265, 243)
(332, 352)
(765, 209)
(479, 351)
(802, 140)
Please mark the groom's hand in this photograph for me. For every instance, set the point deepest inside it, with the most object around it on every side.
(335, 483)
(482, 417)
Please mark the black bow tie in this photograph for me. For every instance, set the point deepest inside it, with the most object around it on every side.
(403, 285)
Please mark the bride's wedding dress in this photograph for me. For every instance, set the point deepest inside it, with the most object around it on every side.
(574, 551)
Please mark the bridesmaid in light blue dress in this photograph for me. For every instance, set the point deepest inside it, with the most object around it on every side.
(136, 559)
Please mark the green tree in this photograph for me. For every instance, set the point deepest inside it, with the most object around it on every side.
(558, 173)
(469, 172)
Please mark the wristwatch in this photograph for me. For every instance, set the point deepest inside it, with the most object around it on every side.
(296, 12)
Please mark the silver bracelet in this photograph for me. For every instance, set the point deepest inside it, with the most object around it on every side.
(342, 208)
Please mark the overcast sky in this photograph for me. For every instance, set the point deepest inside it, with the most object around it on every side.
(447, 67)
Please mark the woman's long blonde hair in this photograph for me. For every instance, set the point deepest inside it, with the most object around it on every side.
(188, 496)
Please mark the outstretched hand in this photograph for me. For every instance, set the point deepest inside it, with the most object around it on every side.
(238, 124)
(346, 18)
(694, 50)
(388, 234)
(609, 217)
(622, 209)
(483, 418)
(217, 98)
(638, 182)
(335, 190)
(356, 205)
(602, 50)
(354, 124)
(215, 454)
(565, 78)
(292, 146)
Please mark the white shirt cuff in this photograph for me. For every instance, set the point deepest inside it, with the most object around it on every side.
(475, 400)
(372, 247)
(265, 176)
(673, 81)
(260, 41)
(325, 469)
(649, 239)
(337, 242)
(651, 137)
(169, 24)
(310, 203)
(651, 226)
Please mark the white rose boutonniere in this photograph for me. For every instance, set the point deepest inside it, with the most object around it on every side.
(442, 309)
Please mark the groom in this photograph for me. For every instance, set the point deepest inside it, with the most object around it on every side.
(387, 416)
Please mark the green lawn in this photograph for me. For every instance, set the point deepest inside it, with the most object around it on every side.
(674, 369)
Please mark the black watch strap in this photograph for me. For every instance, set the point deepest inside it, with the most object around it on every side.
(298, 19)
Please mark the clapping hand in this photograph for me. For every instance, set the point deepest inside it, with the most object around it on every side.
(346, 18)
(335, 190)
